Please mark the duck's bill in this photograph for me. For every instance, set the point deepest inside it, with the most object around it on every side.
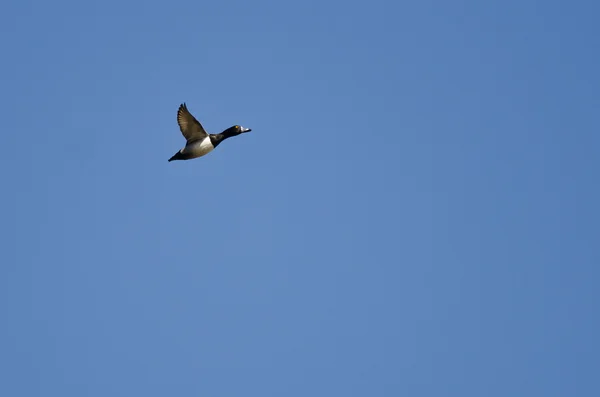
(246, 129)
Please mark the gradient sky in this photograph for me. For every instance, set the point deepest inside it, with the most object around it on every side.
(415, 212)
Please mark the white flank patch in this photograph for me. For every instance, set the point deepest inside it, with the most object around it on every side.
(198, 149)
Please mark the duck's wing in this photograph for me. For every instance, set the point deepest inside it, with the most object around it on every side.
(191, 128)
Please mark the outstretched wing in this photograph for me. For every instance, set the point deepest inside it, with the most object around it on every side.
(191, 128)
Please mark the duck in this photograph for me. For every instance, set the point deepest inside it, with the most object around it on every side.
(198, 142)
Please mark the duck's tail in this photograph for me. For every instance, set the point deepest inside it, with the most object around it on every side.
(176, 156)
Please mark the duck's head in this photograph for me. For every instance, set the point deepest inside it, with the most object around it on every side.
(235, 130)
(240, 130)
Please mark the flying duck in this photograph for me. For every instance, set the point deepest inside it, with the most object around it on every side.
(199, 142)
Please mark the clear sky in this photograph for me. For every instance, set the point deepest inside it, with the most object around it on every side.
(415, 212)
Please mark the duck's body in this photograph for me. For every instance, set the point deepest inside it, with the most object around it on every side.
(194, 149)
(199, 142)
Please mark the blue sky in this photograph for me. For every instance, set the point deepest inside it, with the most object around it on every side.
(415, 212)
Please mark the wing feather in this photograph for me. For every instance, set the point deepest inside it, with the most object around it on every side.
(191, 128)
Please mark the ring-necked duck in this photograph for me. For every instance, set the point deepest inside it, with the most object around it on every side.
(199, 142)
